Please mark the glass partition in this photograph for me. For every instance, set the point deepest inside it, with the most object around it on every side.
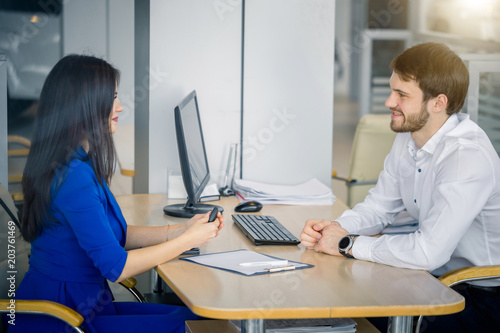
(473, 19)
(483, 98)
(489, 106)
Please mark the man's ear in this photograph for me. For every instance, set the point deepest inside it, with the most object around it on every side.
(439, 103)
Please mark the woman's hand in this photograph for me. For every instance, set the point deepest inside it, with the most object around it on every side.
(199, 231)
(190, 222)
(175, 230)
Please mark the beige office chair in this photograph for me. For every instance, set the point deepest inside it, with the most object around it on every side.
(372, 142)
(19, 260)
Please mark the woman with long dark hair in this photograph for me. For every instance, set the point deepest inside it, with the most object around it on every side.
(79, 238)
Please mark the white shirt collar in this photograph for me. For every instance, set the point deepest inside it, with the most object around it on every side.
(431, 145)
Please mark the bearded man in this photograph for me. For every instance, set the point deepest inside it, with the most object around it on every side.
(444, 172)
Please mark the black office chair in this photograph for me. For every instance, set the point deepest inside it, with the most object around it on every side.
(10, 233)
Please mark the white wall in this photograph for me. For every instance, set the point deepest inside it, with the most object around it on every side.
(104, 29)
(288, 90)
(194, 46)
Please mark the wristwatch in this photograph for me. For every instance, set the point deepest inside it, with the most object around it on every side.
(345, 245)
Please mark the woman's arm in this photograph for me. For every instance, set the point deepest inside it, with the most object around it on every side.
(141, 236)
(143, 259)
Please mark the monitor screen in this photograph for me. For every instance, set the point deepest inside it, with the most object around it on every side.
(193, 158)
(189, 120)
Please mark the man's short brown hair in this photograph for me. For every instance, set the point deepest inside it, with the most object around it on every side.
(437, 70)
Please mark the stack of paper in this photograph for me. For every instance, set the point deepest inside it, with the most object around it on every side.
(312, 192)
(327, 325)
(344, 325)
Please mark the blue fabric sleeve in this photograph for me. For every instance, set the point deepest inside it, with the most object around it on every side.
(82, 202)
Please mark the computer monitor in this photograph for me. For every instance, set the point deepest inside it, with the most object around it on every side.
(193, 158)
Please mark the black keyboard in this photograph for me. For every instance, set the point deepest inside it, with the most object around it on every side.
(264, 230)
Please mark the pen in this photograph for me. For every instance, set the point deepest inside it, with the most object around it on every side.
(279, 269)
(266, 263)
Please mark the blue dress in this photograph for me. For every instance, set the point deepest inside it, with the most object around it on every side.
(72, 258)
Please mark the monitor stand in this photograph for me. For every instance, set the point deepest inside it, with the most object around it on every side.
(180, 210)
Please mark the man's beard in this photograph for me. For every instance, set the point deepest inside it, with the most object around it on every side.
(411, 123)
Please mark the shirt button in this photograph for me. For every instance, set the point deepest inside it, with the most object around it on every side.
(415, 200)
(419, 170)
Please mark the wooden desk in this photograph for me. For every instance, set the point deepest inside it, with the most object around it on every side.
(335, 287)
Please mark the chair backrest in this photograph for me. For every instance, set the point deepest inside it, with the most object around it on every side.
(13, 249)
(372, 142)
(17, 153)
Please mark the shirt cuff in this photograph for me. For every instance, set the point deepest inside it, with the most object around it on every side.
(348, 224)
(362, 248)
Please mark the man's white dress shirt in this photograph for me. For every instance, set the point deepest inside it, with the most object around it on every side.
(451, 186)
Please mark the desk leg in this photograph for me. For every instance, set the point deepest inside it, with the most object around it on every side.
(157, 283)
(252, 326)
(400, 325)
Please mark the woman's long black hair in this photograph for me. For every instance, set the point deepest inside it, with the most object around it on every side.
(76, 101)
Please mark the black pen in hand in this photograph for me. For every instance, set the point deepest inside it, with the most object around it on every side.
(213, 214)
(211, 218)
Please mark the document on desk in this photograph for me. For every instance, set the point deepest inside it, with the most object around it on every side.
(246, 262)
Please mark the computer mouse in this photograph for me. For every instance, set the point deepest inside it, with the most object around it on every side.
(248, 207)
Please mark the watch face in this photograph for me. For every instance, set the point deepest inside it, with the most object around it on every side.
(344, 242)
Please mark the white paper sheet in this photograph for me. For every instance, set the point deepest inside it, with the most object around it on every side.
(231, 261)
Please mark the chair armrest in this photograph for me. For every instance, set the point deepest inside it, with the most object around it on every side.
(18, 152)
(352, 181)
(53, 309)
(335, 176)
(471, 273)
(18, 197)
(130, 285)
(15, 178)
(21, 141)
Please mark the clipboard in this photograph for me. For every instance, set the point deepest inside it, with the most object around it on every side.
(231, 260)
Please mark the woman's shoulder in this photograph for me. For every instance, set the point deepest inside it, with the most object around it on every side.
(75, 175)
